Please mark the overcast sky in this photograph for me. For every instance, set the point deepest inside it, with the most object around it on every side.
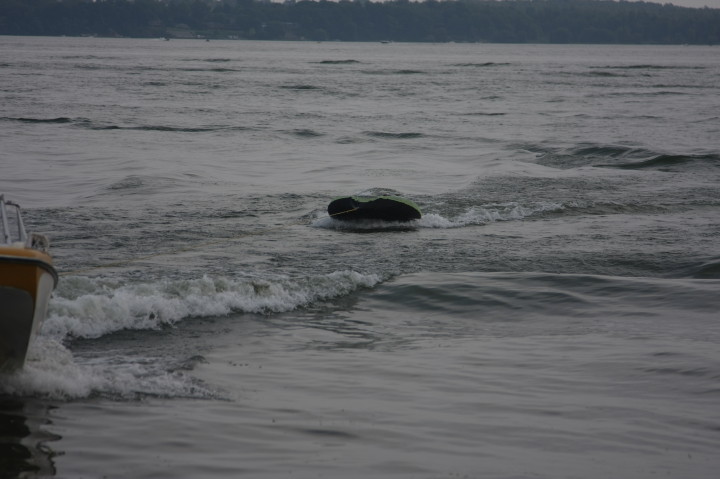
(690, 3)
(686, 3)
(679, 3)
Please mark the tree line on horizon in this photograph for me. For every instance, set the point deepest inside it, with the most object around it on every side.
(509, 21)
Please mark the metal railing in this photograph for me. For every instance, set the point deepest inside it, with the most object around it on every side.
(18, 234)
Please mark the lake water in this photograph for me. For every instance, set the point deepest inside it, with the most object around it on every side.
(554, 314)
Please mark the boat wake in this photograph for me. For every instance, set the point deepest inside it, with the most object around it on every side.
(52, 371)
(489, 213)
(63, 365)
(90, 308)
(471, 216)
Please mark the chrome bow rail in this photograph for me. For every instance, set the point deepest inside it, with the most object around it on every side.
(12, 228)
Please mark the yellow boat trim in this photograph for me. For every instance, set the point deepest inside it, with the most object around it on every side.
(22, 268)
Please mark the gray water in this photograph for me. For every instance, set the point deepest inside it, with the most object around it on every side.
(554, 314)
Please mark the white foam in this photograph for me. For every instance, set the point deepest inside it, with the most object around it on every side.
(475, 215)
(364, 225)
(88, 308)
(51, 371)
(489, 213)
(513, 211)
(91, 307)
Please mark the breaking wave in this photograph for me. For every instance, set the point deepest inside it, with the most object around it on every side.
(86, 308)
(53, 372)
(90, 308)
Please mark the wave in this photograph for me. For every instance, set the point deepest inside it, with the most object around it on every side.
(337, 62)
(472, 216)
(595, 73)
(300, 87)
(100, 126)
(708, 270)
(480, 65)
(480, 113)
(612, 151)
(586, 208)
(394, 136)
(663, 162)
(504, 296)
(404, 71)
(621, 157)
(130, 184)
(479, 215)
(170, 129)
(155, 83)
(213, 70)
(584, 154)
(306, 133)
(649, 66)
(51, 371)
(364, 226)
(90, 308)
(59, 120)
(208, 60)
(679, 85)
(489, 213)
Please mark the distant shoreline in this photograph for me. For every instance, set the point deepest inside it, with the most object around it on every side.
(208, 39)
(461, 21)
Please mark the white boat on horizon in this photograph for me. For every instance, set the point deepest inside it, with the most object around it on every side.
(27, 279)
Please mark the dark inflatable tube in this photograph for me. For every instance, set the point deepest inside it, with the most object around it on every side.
(384, 208)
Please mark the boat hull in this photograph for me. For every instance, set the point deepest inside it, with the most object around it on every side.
(383, 208)
(27, 279)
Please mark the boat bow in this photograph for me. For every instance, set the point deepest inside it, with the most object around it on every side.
(27, 279)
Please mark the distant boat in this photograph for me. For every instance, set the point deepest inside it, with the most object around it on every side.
(27, 278)
(384, 208)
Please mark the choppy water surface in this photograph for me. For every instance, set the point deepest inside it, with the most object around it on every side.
(554, 314)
